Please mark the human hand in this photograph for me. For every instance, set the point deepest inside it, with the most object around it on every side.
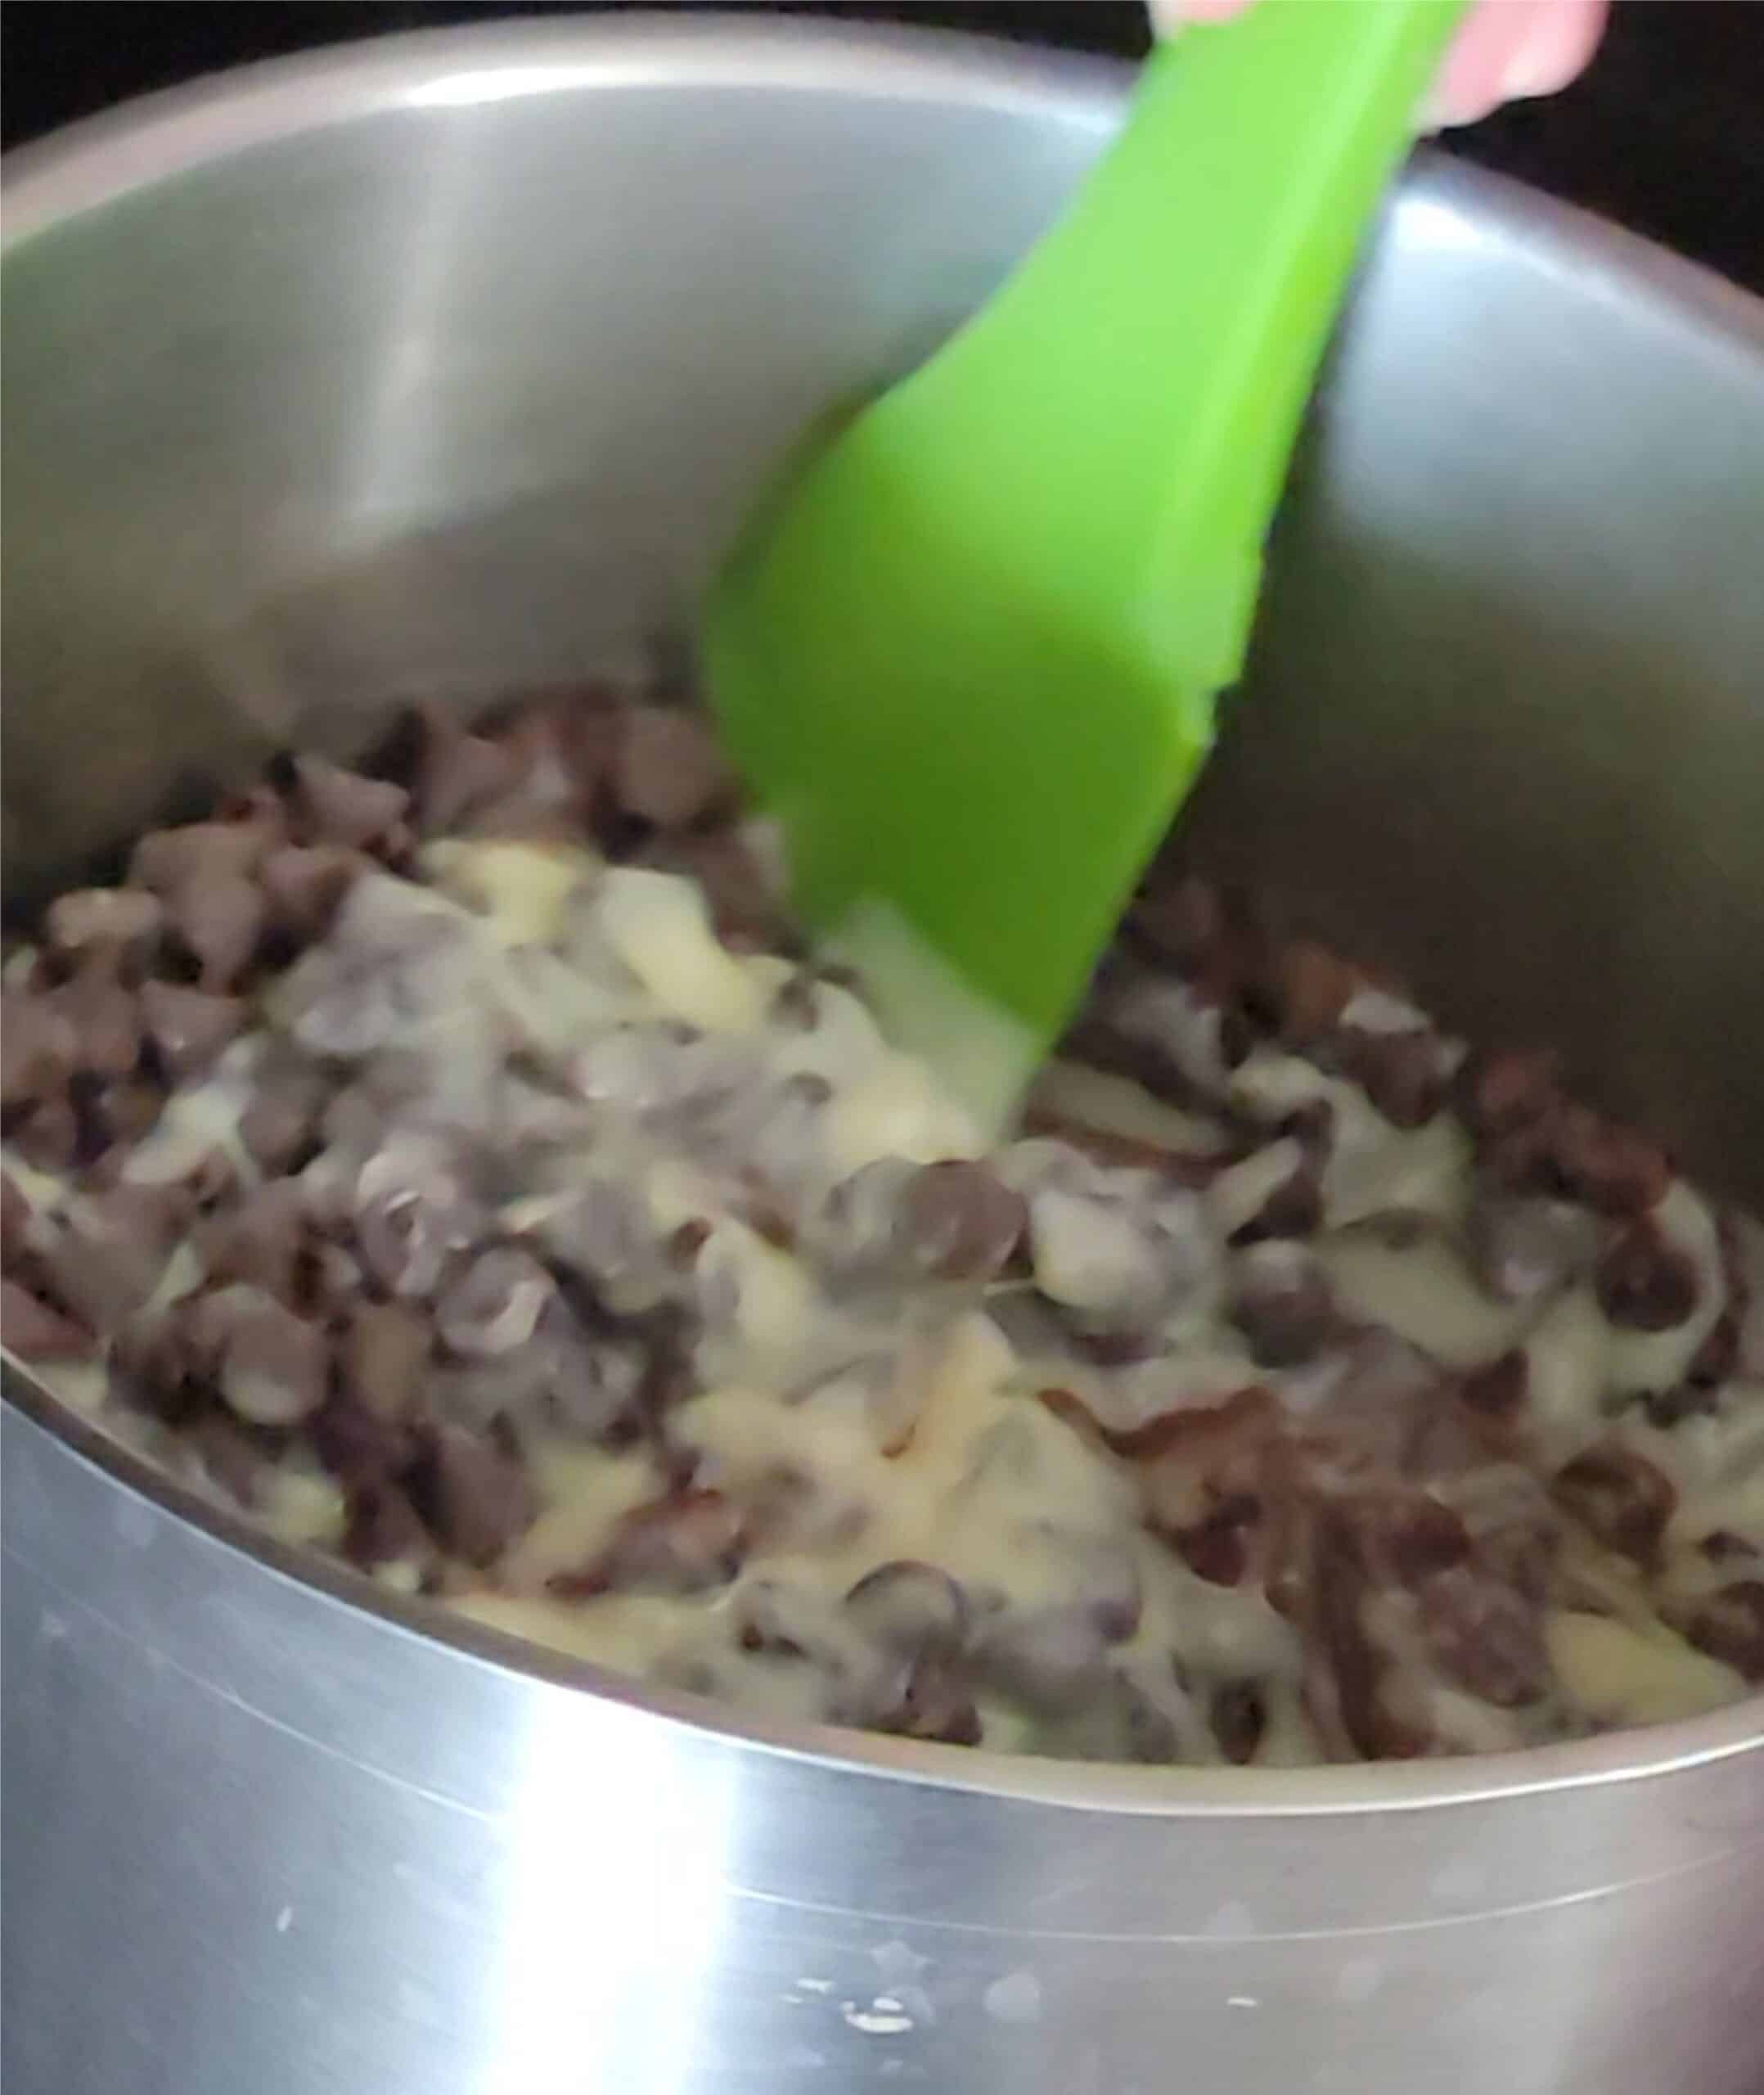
(1506, 50)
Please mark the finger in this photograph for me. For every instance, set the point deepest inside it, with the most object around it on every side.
(1167, 15)
(1507, 50)
(1512, 49)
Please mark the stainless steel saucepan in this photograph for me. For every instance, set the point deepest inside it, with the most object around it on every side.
(446, 364)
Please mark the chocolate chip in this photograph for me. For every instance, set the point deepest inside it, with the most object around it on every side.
(1205, 1436)
(1619, 1497)
(1281, 1300)
(807, 1087)
(278, 1127)
(666, 768)
(1518, 1543)
(666, 1336)
(960, 1222)
(1717, 1360)
(603, 1233)
(39, 1047)
(746, 912)
(686, 1543)
(1143, 1723)
(495, 1305)
(933, 1703)
(393, 960)
(614, 1393)
(1497, 1389)
(459, 773)
(1446, 1441)
(1216, 1547)
(220, 921)
(1338, 1591)
(188, 1027)
(1521, 1248)
(1237, 1036)
(104, 1255)
(304, 885)
(361, 1447)
(1104, 1145)
(1182, 922)
(201, 854)
(796, 1003)
(1741, 1243)
(561, 748)
(1239, 1717)
(114, 1116)
(1071, 1409)
(687, 1242)
(1487, 1637)
(1053, 1659)
(105, 1018)
(1403, 1074)
(1666, 1408)
(1408, 1536)
(384, 1352)
(36, 1331)
(757, 1203)
(49, 1135)
(329, 1277)
(1118, 1348)
(1310, 988)
(261, 807)
(230, 1456)
(15, 1221)
(113, 931)
(1500, 1094)
(855, 1234)
(382, 1526)
(1717, 1357)
(1610, 1168)
(1107, 1582)
(473, 1492)
(1312, 1127)
(337, 806)
(157, 1367)
(413, 1216)
(910, 1607)
(774, 1620)
(1643, 1282)
(1729, 1626)
(260, 1240)
(1100, 1043)
(1293, 1208)
(272, 1368)
(1524, 1163)
(565, 1380)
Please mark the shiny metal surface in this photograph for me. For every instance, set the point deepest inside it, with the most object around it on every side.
(446, 363)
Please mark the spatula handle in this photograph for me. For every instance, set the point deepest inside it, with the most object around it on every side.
(1147, 367)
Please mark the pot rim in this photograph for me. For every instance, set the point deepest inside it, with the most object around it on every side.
(150, 138)
(106, 158)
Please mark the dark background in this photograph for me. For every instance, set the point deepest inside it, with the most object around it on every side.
(1666, 133)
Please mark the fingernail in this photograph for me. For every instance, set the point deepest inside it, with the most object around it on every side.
(1537, 68)
(1556, 50)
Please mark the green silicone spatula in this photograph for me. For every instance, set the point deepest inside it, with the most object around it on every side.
(968, 657)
